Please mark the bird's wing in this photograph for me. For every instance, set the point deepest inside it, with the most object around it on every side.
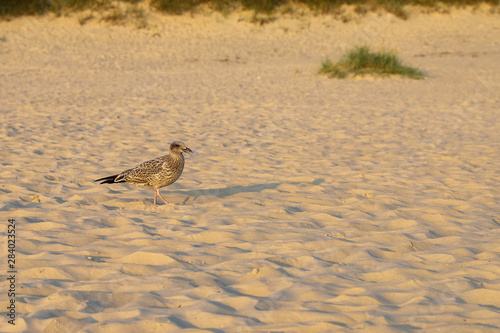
(143, 172)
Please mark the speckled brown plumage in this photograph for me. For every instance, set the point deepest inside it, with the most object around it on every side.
(156, 173)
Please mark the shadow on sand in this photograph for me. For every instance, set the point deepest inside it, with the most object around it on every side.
(231, 190)
(227, 191)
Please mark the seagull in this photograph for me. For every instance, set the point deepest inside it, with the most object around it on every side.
(156, 173)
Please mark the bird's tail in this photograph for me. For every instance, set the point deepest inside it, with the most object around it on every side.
(108, 180)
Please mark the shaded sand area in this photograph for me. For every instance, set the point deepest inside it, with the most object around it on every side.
(314, 205)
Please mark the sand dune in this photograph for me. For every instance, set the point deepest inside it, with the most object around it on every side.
(314, 205)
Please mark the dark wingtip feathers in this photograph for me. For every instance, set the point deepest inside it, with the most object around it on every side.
(108, 180)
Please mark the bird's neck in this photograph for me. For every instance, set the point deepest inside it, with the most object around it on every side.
(177, 156)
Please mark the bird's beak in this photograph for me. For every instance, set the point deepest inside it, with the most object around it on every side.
(187, 150)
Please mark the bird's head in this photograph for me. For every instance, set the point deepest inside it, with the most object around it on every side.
(178, 147)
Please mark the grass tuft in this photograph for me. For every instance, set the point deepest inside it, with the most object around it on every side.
(361, 61)
(176, 7)
(262, 6)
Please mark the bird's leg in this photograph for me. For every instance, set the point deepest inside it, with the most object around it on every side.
(157, 192)
(155, 198)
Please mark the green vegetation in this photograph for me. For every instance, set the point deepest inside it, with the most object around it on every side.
(181, 6)
(114, 11)
(12, 8)
(175, 7)
(361, 61)
(119, 15)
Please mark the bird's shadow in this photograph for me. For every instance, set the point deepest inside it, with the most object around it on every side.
(225, 192)
(231, 190)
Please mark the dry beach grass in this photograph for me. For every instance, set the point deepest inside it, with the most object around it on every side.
(314, 205)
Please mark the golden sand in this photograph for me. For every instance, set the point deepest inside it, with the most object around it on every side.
(314, 205)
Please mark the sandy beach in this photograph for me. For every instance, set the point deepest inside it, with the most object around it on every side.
(313, 205)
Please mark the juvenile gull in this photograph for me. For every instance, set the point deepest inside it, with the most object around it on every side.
(156, 173)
